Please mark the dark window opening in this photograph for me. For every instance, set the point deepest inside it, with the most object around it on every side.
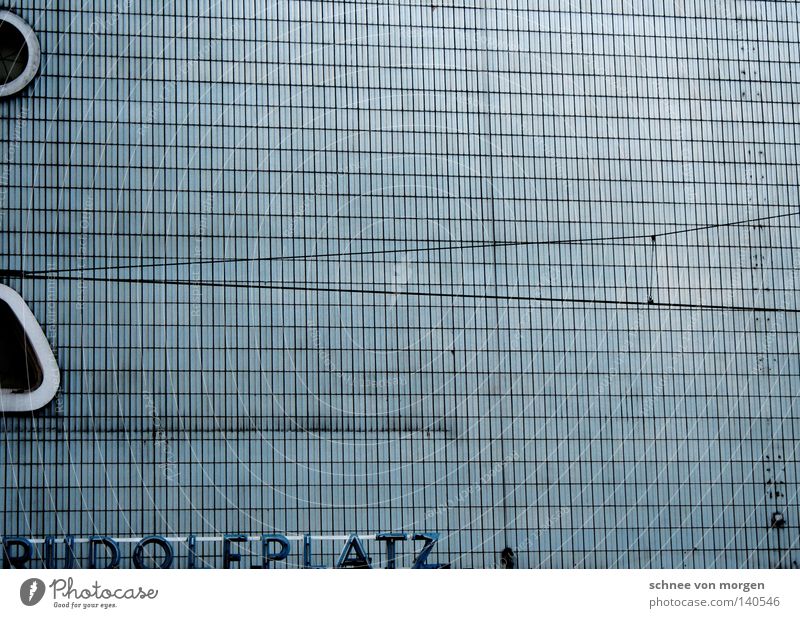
(20, 371)
(13, 53)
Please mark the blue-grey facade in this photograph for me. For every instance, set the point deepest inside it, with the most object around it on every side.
(520, 273)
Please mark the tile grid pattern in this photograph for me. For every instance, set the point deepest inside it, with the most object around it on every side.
(523, 273)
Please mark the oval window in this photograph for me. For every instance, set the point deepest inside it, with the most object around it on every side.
(29, 374)
(19, 54)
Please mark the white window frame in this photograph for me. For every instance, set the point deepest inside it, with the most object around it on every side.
(34, 54)
(51, 377)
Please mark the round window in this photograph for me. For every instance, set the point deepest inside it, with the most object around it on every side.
(19, 54)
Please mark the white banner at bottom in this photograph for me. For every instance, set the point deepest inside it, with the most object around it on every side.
(378, 592)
